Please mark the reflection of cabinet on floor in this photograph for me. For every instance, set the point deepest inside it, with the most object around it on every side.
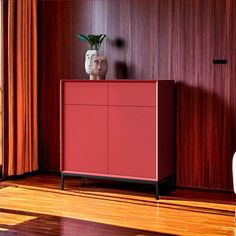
(118, 129)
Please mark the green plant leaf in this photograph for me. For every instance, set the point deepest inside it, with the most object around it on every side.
(82, 37)
(91, 40)
(101, 38)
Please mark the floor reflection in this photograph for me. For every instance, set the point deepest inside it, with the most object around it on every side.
(43, 224)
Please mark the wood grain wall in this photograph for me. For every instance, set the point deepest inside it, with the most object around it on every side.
(158, 39)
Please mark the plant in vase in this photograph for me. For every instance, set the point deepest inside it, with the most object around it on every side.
(95, 68)
(95, 41)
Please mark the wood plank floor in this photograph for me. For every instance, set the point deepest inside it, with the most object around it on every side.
(36, 206)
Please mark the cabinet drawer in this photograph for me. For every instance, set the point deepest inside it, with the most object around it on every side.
(82, 92)
(132, 93)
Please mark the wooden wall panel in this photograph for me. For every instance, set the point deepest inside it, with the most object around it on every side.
(204, 128)
(159, 39)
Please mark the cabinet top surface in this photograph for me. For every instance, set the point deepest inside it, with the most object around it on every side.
(114, 81)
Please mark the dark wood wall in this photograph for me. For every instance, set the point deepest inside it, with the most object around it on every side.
(158, 39)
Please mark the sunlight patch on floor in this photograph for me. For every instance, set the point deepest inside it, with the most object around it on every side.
(199, 204)
(14, 219)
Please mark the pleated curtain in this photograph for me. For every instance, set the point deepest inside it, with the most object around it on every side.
(22, 87)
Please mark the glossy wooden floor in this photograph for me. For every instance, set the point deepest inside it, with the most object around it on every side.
(37, 206)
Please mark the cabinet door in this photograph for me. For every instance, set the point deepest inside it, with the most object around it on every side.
(85, 139)
(132, 142)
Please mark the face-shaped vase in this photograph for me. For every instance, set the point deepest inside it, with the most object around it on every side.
(99, 66)
(90, 54)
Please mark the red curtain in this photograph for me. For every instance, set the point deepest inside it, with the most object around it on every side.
(22, 87)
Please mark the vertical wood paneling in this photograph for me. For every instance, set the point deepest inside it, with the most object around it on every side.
(162, 39)
(204, 140)
(232, 73)
(55, 51)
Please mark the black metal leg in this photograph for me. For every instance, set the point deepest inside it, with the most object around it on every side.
(62, 182)
(157, 191)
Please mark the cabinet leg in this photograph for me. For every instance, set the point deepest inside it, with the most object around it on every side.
(157, 191)
(62, 182)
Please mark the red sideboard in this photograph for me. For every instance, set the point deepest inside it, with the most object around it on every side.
(118, 129)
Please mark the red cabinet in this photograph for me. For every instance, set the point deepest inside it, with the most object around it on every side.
(120, 129)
